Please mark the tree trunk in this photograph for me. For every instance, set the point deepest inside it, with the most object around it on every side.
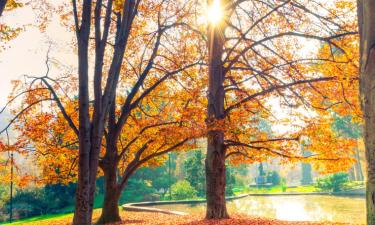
(110, 211)
(82, 211)
(2, 6)
(215, 159)
(215, 176)
(366, 21)
(358, 166)
(112, 190)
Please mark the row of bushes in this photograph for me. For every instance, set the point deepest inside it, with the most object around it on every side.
(39, 201)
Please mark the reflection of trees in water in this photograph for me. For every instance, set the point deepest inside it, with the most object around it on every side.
(292, 208)
(253, 206)
(310, 208)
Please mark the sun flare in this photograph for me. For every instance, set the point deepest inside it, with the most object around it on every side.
(214, 12)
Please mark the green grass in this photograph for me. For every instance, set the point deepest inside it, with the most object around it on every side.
(274, 189)
(238, 190)
(354, 184)
(65, 213)
(40, 218)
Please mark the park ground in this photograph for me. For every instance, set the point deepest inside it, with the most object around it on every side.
(143, 218)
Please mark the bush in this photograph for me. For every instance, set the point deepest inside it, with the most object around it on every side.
(137, 190)
(31, 202)
(195, 173)
(273, 178)
(183, 190)
(333, 183)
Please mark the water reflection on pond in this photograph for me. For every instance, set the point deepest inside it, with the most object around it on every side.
(292, 208)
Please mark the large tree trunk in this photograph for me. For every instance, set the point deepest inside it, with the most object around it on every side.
(82, 211)
(215, 159)
(215, 176)
(112, 192)
(110, 211)
(366, 21)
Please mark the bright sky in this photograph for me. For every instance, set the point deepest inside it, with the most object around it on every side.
(27, 53)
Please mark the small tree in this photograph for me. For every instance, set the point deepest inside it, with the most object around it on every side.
(194, 166)
(183, 190)
(333, 183)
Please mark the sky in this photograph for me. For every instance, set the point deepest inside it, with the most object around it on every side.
(26, 54)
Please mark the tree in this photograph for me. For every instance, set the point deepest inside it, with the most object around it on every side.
(7, 33)
(349, 129)
(253, 61)
(153, 129)
(333, 183)
(183, 190)
(366, 22)
(194, 167)
(134, 117)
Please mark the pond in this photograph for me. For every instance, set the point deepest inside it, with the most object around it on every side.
(291, 208)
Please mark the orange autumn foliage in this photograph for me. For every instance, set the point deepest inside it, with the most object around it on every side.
(179, 103)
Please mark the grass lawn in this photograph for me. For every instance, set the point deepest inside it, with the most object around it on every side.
(299, 189)
(49, 219)
(274, 190)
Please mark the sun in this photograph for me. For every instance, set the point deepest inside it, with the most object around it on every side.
(214, 12)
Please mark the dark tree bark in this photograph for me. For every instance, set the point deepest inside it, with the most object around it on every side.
(215, 159)
(91, 130)
(215, 176)
(366, 21)
(82, 207)
(110, 210)
(2, 6)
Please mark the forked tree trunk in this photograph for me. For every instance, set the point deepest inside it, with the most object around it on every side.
(215, 159)
(366, 21)
(110, 210)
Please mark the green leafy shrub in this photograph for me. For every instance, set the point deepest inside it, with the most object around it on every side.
(195, 172)
(137, 191)
(39, 201)
(183, 190)
(273, 178)
(333, 183)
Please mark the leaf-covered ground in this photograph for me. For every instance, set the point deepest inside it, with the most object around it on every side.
(142, 218)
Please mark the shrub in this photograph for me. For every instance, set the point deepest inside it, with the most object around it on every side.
(195, 173)
(274, 178)
(137, 190)
(334, 183)
(183, 190)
